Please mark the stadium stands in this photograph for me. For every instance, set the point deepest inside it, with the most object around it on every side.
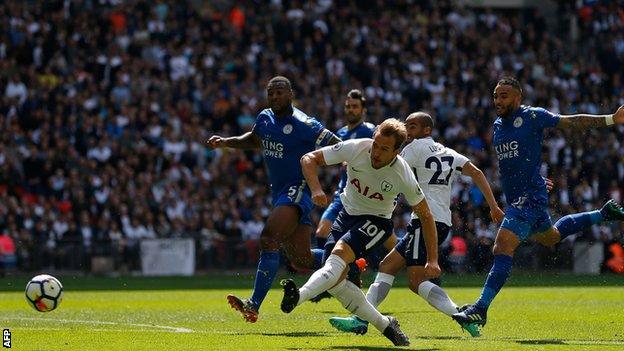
(106, 106)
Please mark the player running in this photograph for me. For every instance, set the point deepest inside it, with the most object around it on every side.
(285, 134)
(376, 175)
(518, 134)
(435, 167)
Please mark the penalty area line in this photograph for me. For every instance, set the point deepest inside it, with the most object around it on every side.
(146, 327)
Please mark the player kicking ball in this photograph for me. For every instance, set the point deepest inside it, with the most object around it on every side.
(518, 135)
(376, 175)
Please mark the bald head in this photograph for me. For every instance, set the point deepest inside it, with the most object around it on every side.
(419, 125)
(423, 118)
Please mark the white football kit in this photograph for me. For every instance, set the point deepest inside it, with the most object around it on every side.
(371, 191)
(436, 167)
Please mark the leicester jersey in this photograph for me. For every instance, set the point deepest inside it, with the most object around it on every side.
(284, 141)
(518, 144)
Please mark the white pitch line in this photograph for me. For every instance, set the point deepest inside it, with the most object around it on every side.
(81, 321)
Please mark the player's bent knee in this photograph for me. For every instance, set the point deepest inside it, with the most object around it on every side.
(414, 284)
(416, 277)
(503, 249)
(389, 267)
(323, 230)
(392, 264)
(268, 242)
(301, 263)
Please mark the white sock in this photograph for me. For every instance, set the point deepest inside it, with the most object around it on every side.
(380, 288)
(437, 297)
(323, 279)
(352, 298)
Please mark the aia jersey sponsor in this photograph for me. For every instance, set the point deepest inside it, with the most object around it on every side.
(371, 191)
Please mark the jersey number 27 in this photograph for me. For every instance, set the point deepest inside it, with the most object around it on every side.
(433, 160)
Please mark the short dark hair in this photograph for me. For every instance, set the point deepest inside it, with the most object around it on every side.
(357, 95)
(393, 127)
(279, 82)
(512, 82)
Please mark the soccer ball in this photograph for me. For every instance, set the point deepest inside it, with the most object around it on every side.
(44, 293)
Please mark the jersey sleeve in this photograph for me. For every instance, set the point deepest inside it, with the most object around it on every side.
(344, 151)
(460, 160)
(259, 119)
(410, 154)
(544, 118)
(317, 132)
(411, 189)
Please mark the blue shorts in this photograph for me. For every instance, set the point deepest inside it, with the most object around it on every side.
(296, 195)
(331, 212)
(527, 216)
(362, 233)
(412, 246)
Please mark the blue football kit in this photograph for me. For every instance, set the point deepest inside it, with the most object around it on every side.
(284, 141)
(518, 144)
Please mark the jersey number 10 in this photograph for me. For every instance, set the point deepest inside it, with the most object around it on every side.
(373, 231)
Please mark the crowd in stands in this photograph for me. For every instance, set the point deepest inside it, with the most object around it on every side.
(106, 106)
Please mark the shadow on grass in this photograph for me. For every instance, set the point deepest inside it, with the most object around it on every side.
(438, 337)
(542, 342)
(569, 342)
(292, 334)
(371, 348)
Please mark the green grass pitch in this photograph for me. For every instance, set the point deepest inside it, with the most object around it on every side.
(545, 312)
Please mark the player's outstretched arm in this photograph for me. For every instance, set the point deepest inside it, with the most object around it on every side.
(478, 177)
(591, 121)
(432, 269)
(248, 140)
(310, 163)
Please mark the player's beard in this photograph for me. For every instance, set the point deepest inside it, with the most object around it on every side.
(353, 119)
(506, 111)
(279, 108)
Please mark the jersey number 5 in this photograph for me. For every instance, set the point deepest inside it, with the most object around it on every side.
(435, 179)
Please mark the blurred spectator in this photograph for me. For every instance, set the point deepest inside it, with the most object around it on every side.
(457, 254)
(8, 258)
(616, 260)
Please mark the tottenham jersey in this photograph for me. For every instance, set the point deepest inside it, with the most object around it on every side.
(284, 141)
(518, 144)
(371, 191)
(435, 167)
(362, 130)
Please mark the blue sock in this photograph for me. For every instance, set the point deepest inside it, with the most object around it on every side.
(574, 223)
(317, 255)
(501, 269)
(267, 269)
(320, 242)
